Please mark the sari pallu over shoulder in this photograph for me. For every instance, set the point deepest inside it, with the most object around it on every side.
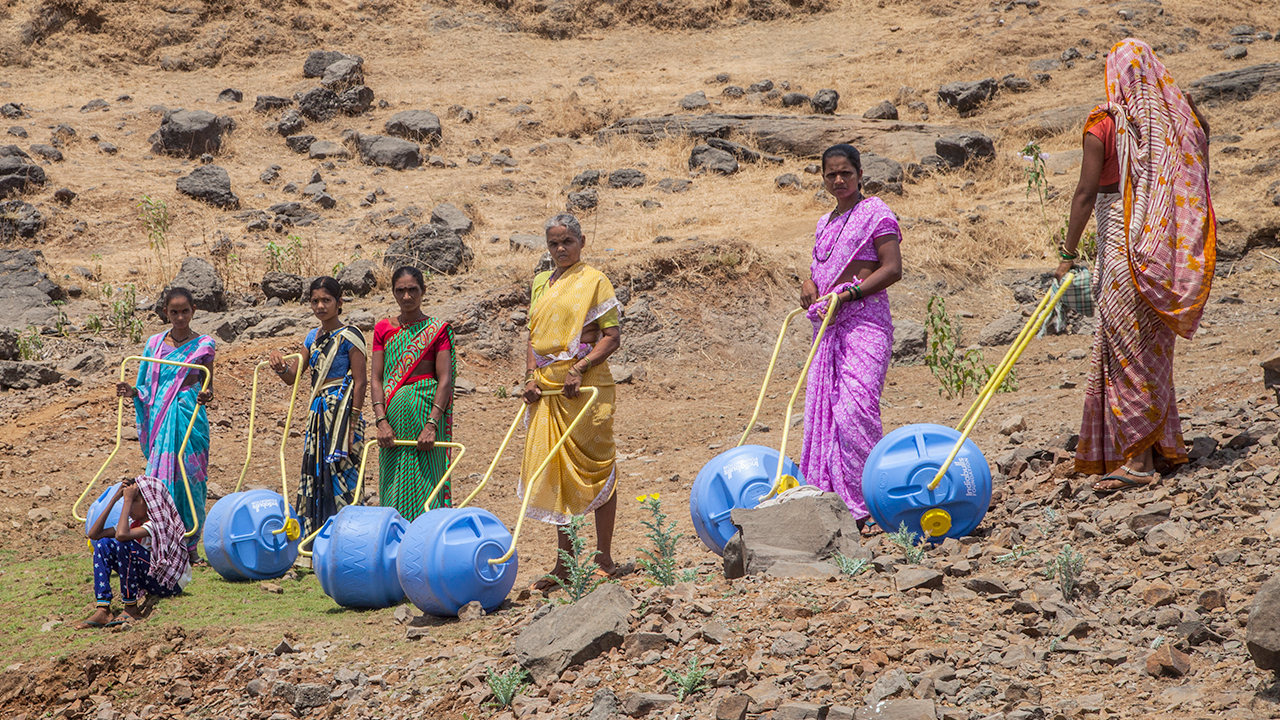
(324, 351)
(839, 242)
(579, 297)
(328, 474)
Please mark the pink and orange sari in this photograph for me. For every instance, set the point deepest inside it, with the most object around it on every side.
(1156, 250)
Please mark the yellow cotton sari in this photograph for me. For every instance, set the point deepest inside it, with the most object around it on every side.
(581, 476)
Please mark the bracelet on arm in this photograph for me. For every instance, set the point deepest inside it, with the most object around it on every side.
(1062, 253)
(857, 290)
(378, 418)
(528, 375)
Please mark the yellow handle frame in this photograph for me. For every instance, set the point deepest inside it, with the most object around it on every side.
(768, 375)
(524, 506)
(182, 466)
(1002, 371)
(833, 304)
(253, 410)
(371, 443)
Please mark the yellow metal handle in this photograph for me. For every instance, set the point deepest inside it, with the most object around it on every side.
(1033, 326)
(371, 443)
(182, 466)
(768, 375)
(833, 303)
(1009, 357)
(253, 410)
(595, 393)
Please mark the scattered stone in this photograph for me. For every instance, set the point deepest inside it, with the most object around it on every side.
(318, 104)
(23, 375)
(328, 150)
(471, 611)
(300, 143)
(269, 103)
(1003, 330)
(795, 99)
(573, 634)
(626, 178)
(342, 74)
(733, 707)
(1235, 52)
(318, 61)
(914, 576)
(290, 123)
(881, 175)
(586, 178)
(1263, 635)
(1013, 424)
(358, 277)
(64, 195)
(310, 695)
(801, 533)
(17, 131)
(788, 181)
(694, 101)
(271, 327)
(209, 184)
(355, 100)
(966, 97)
(48, 152)
(642, 703)
(713, 160)
(674, 185)
(92, 105)
(958, 150)
(432, 247)
(191, 133)
(910, 342)
(230, 95)
(1168, 660)
(884, 111)
(582, 200)
(418, 125)
(286, 286)
(449, 214)
(198, 276)
(272, 588)
(1238, 85)
(389, 152)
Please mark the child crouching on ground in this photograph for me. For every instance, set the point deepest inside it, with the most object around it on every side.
(145, 549)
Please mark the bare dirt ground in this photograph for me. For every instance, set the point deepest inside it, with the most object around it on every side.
(715, 295)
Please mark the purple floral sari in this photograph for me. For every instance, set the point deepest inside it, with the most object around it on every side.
(842, 399)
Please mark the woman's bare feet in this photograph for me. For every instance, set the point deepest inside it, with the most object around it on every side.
(99, 618)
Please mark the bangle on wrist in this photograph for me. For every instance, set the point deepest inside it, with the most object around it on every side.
(857, 290)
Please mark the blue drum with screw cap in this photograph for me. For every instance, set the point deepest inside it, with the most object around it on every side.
(355, 555)
(240, 536)
(99, 505)
(896, 478)
(737, 478)
(444, 561)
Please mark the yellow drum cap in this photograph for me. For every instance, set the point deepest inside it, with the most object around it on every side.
(293, 530)
(935, 522)
(787, 482)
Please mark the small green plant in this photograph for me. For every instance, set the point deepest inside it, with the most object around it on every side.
(1015, 555)
(1037, 173)
(688, 682)
(96, 258)
(912, 546)
(506, 686)
(93, 324)
(285, 257)
(30, 345)
(1067, 568)
(853, 567)
(959, 371)
(660, 563)
(581, 566)
(154, 215)
(501, 392)
(62, 324)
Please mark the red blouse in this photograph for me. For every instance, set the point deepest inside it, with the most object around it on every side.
(1105, 131)
(384, 331)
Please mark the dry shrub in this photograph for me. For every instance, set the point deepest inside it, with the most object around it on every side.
(572, 118)
(51, 16)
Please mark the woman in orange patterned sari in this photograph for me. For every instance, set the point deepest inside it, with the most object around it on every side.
(1145, 174)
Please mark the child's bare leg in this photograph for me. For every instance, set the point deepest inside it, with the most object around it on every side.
(101, 616)
(133, 610)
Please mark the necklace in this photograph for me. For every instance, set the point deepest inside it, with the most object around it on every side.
(844, 221)
(183, 341)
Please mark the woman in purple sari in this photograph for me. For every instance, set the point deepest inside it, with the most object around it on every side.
(855, 255)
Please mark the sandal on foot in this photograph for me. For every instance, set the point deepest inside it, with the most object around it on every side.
(1138, 480)
(89, 625)
(544, 585)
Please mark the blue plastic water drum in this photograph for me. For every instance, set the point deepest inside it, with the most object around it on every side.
(444, 561)
(238, 537)
(98, 505)
(737, 478)
(896, 477)
(355, 553)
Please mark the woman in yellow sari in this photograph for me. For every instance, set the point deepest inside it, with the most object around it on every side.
(573, 329)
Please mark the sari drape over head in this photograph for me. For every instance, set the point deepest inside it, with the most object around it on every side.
(581, 477)
(162, 409)
(406, 477)
(842, 397)
(329, 469)
(1156, 253)
(169, 559)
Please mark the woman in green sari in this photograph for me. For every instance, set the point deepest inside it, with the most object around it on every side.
(413, 370)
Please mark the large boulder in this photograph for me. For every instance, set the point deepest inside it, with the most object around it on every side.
(449, 214)
(825, 101)
(209, 184)
(319, 104)
(418, 125)
(881, 175)
(910, 342)
(343, 74)
(19, 219)
(27, 375)
(431, 248)
(1003, 330)
(573, 634)
(958, 150)
(191, 133)
(1263, 638)
(286, 286)
(966, 97)
(1240, 84)
(358, 277)
(797, 535)
(713, 160)
(198, 276)
(389, 152)
(18, 173)
(26, 292)
(318, 61)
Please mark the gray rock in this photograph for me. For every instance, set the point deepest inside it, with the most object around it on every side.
(328, 150)
(290, 123)
(958, 150)
(19, 219)
(198, 276)
(19, 174)
(642, 703)
(582, 200)
(286, 286)
(358, 277)
(342, 74)
(884, 111)
(694, 101)
(742, 152)
(763, 86)
(271, 327)
(92, 105)
(900, 709)
(434, 247)
(789, 644)
(9, 344)
(586, 178)
(825, 101)
(532, 243)
(355, 100)
(914, 576)
(309, 695)
(881, 175)
(229, 95)
(733, 91)
(319, 104)
(191, 133)
(87, 363)
(1015, 84)
(319, 60)
(1235, 52)
(25, 290)
(573, 634)
(626, 178)
(268, 103)
(604, 705)
(674, 185)
(1238, 85)
(801, 711)
(910, 342)
(418, 125)
(209, 184)
(1003, 330)
(389, 152)
(966, 97)
(986, 585)
(300, 143)
(48, 152)
(19, 375)
(714, 160)
(893, 683)
(17, 131)
(229, 326)
(450, 215)
(795, 99)
(802, 531)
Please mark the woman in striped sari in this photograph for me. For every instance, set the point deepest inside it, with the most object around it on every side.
(573, 329)
(1145, 174)
(164, 398)
(336, 354)
(413, 371)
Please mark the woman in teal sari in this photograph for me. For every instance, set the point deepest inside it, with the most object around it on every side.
(164, 398)
(413, 370)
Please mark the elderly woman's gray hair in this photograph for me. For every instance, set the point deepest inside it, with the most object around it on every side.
(566, 221)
